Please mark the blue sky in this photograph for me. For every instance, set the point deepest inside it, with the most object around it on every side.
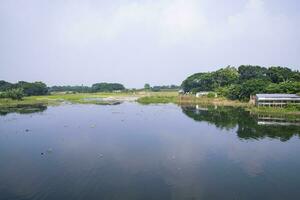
(136, 42)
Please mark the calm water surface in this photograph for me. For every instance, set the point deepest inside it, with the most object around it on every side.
(131, 151)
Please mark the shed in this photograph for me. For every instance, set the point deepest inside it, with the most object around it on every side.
(200, 94)
(276, 99)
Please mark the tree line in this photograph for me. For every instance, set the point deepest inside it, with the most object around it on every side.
(97, 87)
(158, 88)
(239, 83)
(22, 88)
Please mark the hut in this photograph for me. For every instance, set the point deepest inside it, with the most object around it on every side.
(181, 91)
(276, 100)
(203, 93)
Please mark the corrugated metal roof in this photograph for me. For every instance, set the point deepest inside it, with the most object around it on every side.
(277, 96)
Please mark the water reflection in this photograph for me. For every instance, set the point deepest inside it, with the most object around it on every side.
(130, 151)
(23, 109)
(248, 126)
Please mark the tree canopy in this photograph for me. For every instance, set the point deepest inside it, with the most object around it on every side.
(107, 87)
(28, 89)
(245, 81)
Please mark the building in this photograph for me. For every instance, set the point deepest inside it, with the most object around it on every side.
(276, 99)
(181, 91)
(204, 93)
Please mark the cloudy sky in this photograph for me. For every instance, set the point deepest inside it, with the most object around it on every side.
(142, 41)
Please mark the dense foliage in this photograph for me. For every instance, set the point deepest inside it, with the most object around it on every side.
(158, 88)
(79, 89)
(245, 81)
(107, 87)
(15, 94)
(32, 89)
(97, 87)
(22, 88)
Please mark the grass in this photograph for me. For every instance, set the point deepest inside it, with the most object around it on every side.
(162, 97)
(158, 97)
(143, 98)
(274, 110)
(57, 98)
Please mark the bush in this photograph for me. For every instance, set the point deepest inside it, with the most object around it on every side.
(211, 95)
(223, 91)
(15, 94)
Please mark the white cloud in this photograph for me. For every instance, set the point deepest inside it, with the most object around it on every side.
(170, 21)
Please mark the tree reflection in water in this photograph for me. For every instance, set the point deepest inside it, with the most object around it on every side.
(248, 126)
(23, 109)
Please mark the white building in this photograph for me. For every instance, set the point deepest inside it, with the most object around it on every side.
(276, 99)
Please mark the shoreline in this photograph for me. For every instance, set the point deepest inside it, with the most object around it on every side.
(144, 98)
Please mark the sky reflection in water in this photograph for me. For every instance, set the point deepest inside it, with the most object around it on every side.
(130, 151)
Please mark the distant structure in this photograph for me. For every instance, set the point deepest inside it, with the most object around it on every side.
(205, 93)
(200, 94)
(276, 100)
(181, 91)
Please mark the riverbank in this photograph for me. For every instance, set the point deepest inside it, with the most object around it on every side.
(218, 101)
(80, 98)
(142, 98)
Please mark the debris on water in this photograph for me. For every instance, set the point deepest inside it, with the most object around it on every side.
(92, 126)
(65, 125)
(49, 150)
(42, 153)
(26, 130)
(100, 155)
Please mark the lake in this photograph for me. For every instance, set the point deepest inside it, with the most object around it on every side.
(131, 151)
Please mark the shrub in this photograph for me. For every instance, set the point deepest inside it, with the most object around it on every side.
(15, 94)
(211, 95)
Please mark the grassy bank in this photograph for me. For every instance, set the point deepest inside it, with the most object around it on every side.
(57, 98)
(173, 97)
(220, 101)
(158, 97)
(141, 97)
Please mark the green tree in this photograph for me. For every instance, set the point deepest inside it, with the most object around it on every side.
(279, 74)
(30, 89)
(252, 87)
(5, 85)
(290, 87)
(147, 86)
(225, 76)
(107, 87)
(15, 94)
(252, 72)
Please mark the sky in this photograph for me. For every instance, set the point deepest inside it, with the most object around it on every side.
(133, 42)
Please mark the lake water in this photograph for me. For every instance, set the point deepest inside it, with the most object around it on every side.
(130, 151)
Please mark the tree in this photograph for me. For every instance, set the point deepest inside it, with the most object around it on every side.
(5, 85)
(279, 74)
(252, 87)
(107, 87)
(30, 89)
(147, 86)
(80, 89)
(211, 80)
(198, 82)
(252, 72)
(225, 76)
(15, 94)
(289, 87)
